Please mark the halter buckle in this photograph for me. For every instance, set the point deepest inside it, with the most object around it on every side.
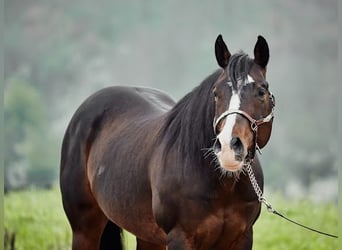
(254, 126)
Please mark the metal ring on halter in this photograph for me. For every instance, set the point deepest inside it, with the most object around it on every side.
(254, 126)
(268, 205)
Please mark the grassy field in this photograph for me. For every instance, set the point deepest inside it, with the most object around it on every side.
(38, 221)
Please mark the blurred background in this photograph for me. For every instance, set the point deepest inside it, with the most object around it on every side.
(57, 53)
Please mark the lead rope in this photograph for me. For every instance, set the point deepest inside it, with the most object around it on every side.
(269, 207)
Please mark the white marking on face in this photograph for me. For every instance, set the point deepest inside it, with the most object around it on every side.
(226, 156)
(250, 79)
(225, 135)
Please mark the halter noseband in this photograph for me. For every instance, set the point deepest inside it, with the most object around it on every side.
(253, 123)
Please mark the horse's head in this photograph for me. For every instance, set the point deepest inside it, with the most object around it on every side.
(244, 105)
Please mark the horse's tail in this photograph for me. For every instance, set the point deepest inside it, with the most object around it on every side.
(111, 237)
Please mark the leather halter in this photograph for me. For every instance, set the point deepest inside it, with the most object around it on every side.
(253, 123)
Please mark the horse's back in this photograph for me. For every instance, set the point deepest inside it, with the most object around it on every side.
(107, 104)
(118, 100)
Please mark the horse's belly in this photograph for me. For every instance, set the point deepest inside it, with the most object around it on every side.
(146, 230)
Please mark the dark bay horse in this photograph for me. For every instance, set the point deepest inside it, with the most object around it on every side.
(170, 173)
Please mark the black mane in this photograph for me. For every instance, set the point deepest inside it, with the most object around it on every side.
(238, 68)
(189, 125)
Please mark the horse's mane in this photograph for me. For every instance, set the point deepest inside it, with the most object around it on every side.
(189, 125)
(238, 68)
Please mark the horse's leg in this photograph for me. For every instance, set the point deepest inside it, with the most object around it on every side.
(85, 217)
(91, 230)
(143, 245)
(87, 228)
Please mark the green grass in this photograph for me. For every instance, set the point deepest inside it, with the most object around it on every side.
(39, 222)
(274, 233)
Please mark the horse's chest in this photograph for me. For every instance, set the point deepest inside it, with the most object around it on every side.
(238, 222)
(227, 228)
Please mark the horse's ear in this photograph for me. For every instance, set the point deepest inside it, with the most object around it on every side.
(221, 52)
(261, 52)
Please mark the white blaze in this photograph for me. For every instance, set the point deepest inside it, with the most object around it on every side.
(226, 134)
(249, 79)
(226, 156)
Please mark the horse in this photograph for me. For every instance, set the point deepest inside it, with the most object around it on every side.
(171, 173)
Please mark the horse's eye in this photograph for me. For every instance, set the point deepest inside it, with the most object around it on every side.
(215, 93)
(261, 92)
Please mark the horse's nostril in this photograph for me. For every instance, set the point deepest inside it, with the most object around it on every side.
(236, 145)
(217, 146)
(238, 157)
